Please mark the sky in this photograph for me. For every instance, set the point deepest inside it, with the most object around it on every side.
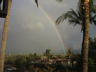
(30, 30)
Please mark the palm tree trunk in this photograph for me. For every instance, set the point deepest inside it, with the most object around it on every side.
(85, 43)
(4, 37)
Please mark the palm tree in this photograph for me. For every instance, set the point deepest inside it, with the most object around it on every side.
(76, 17)
(69, 53)
(47, 53)
(85, 43)
(4, 37)
(35, 56)
(85, 13)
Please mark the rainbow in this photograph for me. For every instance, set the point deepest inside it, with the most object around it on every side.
(55, 28)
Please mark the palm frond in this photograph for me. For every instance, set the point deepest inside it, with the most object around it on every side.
(74, 22)
(60, 19)
(92, 7)
(63, 17)
(76, 17)
(36, 1)
(74, 13)
(93, 19)
(69, 15)
(79, 15)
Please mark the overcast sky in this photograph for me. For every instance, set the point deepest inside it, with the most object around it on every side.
(30, 30)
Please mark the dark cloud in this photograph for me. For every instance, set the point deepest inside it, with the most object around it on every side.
(30, 30)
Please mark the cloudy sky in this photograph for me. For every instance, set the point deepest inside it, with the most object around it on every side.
(30, 30)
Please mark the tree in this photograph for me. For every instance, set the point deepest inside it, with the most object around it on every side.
(60, 56)
(4, 37)
(47, 53)
(77, 58)
(92, 45)
(20, 62)
(30, 57)
(69, 53)
(76, 17)
(81, 17)
(48, 68)
(33, 69)
(35, 56)
(85, 43)
(92, 55)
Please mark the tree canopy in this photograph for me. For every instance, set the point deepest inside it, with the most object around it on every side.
(75, 17)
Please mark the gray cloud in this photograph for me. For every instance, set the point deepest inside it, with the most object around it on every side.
(30, 30)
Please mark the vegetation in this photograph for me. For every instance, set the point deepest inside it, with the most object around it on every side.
(76, 17)
(92, 54)
(85, 13)
(4, 36)
(47, 54)
(23, 62)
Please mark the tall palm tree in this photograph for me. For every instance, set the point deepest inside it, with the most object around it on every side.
(76, 17)
(85, 13)
(4, 37)
(85, 43)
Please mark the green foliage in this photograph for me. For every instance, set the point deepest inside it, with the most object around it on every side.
(91, 59)
(20, 62)
(77, 58)
(69, 53)
(91, 66)
(47, 53)
(9, 59)
(76, 17)
(33, 69)
(92, 54)
(60, 56)
(48, 68)
(35, 56)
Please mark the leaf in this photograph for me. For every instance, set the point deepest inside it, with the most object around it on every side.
(36, 1)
